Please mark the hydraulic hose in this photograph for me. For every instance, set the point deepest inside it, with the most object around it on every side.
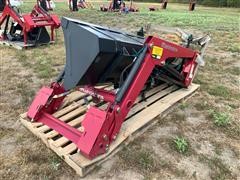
(138, 62)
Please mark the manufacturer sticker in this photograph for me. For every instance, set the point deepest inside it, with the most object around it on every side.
(157, 52)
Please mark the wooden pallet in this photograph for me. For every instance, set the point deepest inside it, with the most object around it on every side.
(158, 101)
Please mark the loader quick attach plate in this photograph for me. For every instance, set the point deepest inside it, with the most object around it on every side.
(159, 101)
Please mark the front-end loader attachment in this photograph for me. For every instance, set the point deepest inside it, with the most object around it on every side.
(27, 29)
(97, 55)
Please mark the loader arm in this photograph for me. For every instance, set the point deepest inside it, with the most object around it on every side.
(9, 11)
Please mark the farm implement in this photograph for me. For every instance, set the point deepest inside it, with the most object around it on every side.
(119, 6)
(23, 30)
(112, 70)
(74, 5)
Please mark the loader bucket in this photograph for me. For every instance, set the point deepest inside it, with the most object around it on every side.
(36, 36)
(96, 54)
(39, 35)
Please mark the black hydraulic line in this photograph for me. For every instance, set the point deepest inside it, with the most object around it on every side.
(174, 72)
(38, 35)
(167, 79)
(16, 10)
(43, 5)
(138, 62)
(6, 26)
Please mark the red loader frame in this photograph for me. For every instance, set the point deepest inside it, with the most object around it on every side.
(37, 18)
(101, 127)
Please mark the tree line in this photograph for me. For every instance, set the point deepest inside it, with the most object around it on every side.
(215, 3)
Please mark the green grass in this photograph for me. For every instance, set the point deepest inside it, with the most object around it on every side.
(38, 61)
(219, 90)
(234, 70)
(221, 118)
(183, 105)
(235, 47)
(204, 18)
(55, 162)
(181, 144)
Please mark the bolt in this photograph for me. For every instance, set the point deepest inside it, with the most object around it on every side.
(162, 63)
(118, 110)
(151, 45)
(81, 129)
(105, 137)
(107, 147)
(114, 137)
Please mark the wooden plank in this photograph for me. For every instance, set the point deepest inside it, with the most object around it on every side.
(152, 91)
(34, 130)
(74, 96)
(70, 108)
(7, 43)
(68, 149)
(72, 114)
(131, 128)
(19, 44)
(67, 109)
(150, 100)
(73, 123)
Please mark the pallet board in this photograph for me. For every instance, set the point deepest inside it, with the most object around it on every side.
(157, 103)
(18, 44)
